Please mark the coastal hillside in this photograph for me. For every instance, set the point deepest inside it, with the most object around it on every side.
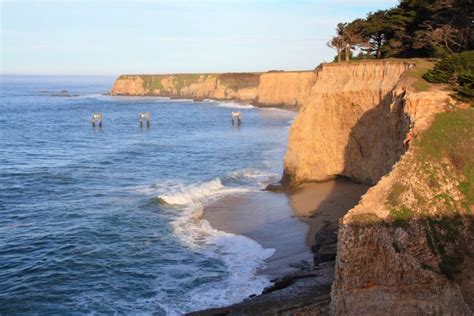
(275, 88)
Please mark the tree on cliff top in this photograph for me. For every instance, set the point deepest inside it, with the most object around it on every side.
(337, 43)
(348, 37)
(458, 71)
(374, 30)
(414, 28)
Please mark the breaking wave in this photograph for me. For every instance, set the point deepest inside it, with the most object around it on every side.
(241, 256)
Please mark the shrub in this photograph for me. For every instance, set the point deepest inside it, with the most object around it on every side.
(458, 71)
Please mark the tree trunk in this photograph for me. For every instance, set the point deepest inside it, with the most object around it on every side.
(338, 55)
(379, 46)
(347, 53)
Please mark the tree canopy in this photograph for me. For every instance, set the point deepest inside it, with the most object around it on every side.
(414, 28)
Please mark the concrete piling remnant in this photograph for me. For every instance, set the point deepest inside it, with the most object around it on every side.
(237, 115)
(146, 116)
(96, 117)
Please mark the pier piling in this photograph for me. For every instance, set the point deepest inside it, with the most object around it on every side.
(237, 115)
(146, 116)
(96, 117)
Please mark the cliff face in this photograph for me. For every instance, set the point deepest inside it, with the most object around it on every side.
(287, 89)
(348, 127)
(407, 247)
(128, 86)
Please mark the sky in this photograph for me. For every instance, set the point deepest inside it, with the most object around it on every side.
(111, 37)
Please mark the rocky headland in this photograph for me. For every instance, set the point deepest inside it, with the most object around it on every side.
(273, 89)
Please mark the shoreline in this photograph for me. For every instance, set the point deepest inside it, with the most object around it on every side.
(289, 223)
(238, 101)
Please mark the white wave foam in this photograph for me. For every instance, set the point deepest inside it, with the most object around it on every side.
(107, 97)
(251, 174)
(252, 178)
(281, 110)
(196, 193)
(233, 105)
(241, 256)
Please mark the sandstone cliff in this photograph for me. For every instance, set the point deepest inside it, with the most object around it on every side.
(407, 247)
(347, 126)
(286, 89)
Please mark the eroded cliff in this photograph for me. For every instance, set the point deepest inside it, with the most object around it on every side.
(407, 247)
(348, 127)
(277, 88)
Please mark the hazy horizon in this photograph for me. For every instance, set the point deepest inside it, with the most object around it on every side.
(143, 36)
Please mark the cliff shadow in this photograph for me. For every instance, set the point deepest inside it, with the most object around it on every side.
(323, 203)
(374, 145)
(375, 142)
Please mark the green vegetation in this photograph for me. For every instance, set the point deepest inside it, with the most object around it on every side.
(368, 219)
(451, 136)
(394, 195)
(236, 81)
(401, 216)
(184, 80)
(442, 154)
(422, 67)
(414, 28)
(233, 81)
(151, 83)
(458, 71)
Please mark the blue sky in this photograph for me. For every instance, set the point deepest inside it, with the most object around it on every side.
(165, 36)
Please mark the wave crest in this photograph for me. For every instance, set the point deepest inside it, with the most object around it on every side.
(232, 105)
(192, 193)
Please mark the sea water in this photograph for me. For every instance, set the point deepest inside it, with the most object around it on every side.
(108, 220)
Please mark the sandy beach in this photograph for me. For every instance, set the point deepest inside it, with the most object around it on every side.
(286, 222)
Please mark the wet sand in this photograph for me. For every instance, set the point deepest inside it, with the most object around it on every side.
(286, 222)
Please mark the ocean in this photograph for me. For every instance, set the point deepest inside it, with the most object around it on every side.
(107, 220)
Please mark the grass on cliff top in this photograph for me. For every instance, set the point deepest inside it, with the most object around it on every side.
(153, 82)
(449, 138)
(234, 81)
(422, 66)
(367, 219)
(452, 136)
